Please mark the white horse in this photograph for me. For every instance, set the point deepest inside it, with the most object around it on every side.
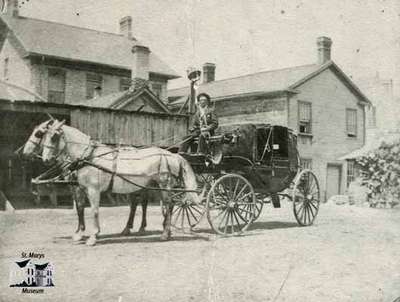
(119, 170)
(34, 146)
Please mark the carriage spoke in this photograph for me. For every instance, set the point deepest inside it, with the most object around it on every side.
(187, 215)
(232, 223)
(223, 217)
(237, 221)
(240, 216)
(177, 216)
(227, 221)
(245, 196)
(236, 187)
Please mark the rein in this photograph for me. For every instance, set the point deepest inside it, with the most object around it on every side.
(86, 160)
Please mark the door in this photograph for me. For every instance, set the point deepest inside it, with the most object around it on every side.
(333, 180)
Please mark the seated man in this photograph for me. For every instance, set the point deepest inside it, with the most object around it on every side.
(204, 124)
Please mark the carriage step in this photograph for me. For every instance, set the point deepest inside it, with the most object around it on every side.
(275, 201)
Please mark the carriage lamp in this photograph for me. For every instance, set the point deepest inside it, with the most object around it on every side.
(193, 75)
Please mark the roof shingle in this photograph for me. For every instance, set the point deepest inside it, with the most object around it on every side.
(81, 44)
(265, 81)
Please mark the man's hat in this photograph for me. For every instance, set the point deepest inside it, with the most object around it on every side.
(206, 96)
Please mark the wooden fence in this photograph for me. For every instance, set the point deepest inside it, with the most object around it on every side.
(129, 128)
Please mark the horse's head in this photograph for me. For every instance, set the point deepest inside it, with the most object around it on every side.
(53, 144)
(33, 146)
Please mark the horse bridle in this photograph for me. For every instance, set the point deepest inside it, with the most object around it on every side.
(61, 133)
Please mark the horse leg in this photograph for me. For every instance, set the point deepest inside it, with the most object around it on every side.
(129, 225)
(167, 218)
(145, 199)
(94, 198)
(79, 199)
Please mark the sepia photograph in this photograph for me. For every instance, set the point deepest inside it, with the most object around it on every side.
(200, 150)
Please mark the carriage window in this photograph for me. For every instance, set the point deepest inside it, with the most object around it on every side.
(93, 82)
(264, 145)
(304, 117)
(280, 142)
(351, 122)
(56, 86)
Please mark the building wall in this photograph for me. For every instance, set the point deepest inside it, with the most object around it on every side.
(19, 70)
(164, 85)
(329, 140)
(75, 83)
(253, 110)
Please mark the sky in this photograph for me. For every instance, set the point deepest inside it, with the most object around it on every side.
(246, 36)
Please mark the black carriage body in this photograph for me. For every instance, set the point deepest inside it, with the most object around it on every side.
(264, 154)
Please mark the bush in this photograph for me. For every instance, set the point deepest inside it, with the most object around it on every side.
(380, 171)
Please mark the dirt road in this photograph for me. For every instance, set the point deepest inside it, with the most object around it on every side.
(350, 254)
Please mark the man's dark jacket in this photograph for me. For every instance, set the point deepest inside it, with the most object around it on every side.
(210, 119)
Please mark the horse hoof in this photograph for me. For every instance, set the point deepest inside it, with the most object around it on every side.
(91, 241)
(77, 237)
(166, 237)
(126, 232)
(141, 231)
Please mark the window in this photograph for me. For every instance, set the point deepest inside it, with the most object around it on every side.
(5, 72)
(306, 163)
(157, 89)
(372, 120)
(304, 117)
(93, 82)
(351, 122)
(124, 84)
(351, 175)
(56, 86)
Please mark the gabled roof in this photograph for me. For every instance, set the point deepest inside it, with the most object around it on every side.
(121, 99)
(56, 40)
(23, 263)
(41, 266)
(280, 80)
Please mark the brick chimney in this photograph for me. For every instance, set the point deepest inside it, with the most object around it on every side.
(141, 62)
(125, 27)
(324, 49)
(208, 72)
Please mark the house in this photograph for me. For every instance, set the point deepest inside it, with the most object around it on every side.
(68, 64)
(318, 100)
(384, 113)
(26, 273)
(139, 97)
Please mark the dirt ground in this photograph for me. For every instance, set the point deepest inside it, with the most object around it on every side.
(350, 254)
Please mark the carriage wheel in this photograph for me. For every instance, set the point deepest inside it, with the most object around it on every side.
(186, 213)
(306, 198)
(258, 206)
(231, 205)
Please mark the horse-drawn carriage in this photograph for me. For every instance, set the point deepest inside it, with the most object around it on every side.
(260, 166)
(247, 166)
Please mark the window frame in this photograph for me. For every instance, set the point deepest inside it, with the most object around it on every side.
(160, 89)
(299, 106)
(350, 177)
(349, 131)
(51, 90)
(90, 79)
(124, 83)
